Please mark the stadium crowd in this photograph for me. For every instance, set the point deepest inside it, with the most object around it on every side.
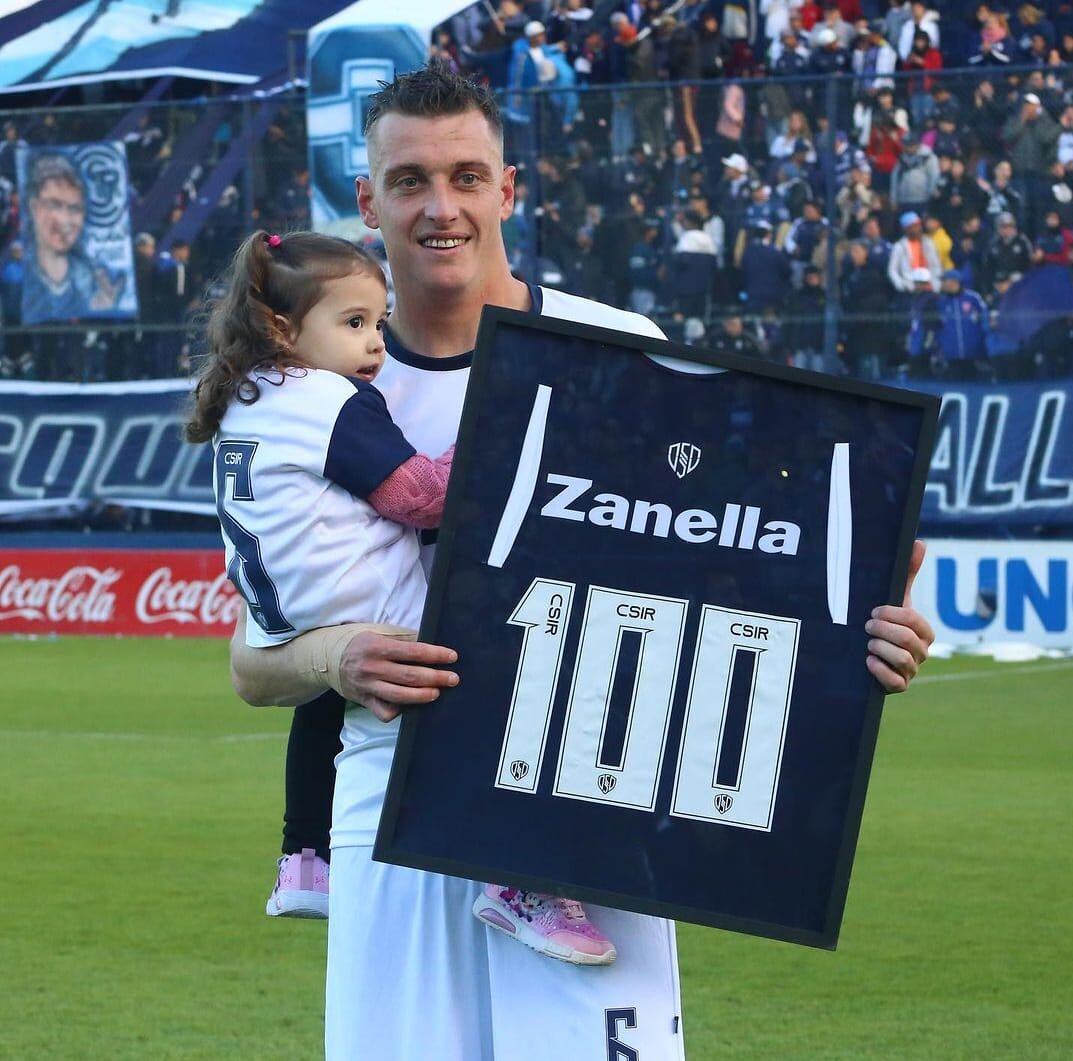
(700, 161)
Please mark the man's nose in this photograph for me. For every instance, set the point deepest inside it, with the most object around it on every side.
(441, 205)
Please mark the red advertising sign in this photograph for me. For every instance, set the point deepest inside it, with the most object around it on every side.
(150, 592)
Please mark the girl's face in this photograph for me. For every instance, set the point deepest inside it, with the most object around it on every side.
(344, 331)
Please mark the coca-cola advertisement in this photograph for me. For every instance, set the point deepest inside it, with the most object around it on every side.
(155, 593)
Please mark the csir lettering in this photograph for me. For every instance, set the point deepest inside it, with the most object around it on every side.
(739, 526)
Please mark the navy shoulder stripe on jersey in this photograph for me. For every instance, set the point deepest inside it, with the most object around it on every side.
(448, 364)
(366, 444)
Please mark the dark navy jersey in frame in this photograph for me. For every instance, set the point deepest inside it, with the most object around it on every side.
(657, 582)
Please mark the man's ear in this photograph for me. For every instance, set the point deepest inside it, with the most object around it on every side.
(364, 188)
(506, 187)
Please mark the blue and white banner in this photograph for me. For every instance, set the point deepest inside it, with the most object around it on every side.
(67, 447)
(75, 222)
(1003, 455)
(349, 54)
(978, 593)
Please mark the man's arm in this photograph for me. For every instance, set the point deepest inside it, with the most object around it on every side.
(378, 666)
(900, 637)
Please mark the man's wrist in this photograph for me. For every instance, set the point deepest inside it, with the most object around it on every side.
(319, 654)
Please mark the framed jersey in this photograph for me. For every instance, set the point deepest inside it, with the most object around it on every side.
(656, 565)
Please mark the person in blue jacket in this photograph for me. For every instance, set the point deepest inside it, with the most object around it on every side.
(955, 332)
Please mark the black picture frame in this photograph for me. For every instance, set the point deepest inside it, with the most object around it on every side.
(388, 846)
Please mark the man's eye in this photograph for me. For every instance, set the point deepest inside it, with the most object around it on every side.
(407, 182)
(381, 325)
(468, 178)
(356, 322)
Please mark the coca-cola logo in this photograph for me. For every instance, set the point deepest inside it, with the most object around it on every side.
(164, 598)
(80, 595)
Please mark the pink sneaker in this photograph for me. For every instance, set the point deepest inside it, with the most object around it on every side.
(301, 887)
(556, 927)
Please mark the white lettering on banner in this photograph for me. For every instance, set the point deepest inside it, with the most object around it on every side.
(164, 599)
(80, 594)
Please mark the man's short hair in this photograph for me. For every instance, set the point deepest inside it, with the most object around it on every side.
(432, 91)
(58, 168)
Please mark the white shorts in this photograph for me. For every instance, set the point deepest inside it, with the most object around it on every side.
(412, 974)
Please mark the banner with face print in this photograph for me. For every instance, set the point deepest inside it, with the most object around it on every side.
(76, 230)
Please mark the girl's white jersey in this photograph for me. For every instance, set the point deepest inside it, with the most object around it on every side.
(302, 544)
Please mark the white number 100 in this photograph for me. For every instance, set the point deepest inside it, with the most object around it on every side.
(736, 708)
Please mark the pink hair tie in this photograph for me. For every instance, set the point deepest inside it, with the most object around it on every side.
(273, 240)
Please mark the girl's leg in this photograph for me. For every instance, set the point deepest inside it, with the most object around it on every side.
(310, 774)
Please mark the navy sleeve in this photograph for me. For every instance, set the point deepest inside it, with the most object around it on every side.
(366, 445)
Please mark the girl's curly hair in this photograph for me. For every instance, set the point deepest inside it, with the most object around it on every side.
(270, 277)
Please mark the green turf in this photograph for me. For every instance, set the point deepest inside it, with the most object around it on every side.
(140, 804)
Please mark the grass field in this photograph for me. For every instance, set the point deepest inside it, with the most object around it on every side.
(141, 802)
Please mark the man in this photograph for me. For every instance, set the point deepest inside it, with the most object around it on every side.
(60, 283)
(915, 177)
(913, 252)
(1008, 252)
(411, 974)
(1031, 136)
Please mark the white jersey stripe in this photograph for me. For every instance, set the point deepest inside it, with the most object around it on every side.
(525, 479)
(839, 535)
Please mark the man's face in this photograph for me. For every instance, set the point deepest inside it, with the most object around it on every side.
(59, 212)
(858, 255)
(1003, 172)
(1007, 231)
(438, 192)
(914, 230)
(733, 326)
(951, 287)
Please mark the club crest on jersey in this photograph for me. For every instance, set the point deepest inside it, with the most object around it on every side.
(723, 802)
(739, 526)
(605, 782)
(518, 769)
(683, 457)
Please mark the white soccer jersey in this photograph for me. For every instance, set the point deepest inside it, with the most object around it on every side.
(411, 973)
(302, 546)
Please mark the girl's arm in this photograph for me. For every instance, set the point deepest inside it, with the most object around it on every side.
(414, 492)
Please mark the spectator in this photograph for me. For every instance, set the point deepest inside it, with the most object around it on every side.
(731, 195)
(1002, 197)
(866, 303)
(732, 338)
(1058, 194)
(856, 200)
(1054, 242)
(923, 56)
(12, 274)
(923, 323)
(941, 241)
(883, 151)
(804, 238)
(963, 325)
(1008, 253)
(765, 271)
(644, 267)
(874, 60)
(956, 196)
(1031, 135)
(911, 254)
(833, 29)
(803, 333)
(920, 20)
(915, 177)
(829, 58)
(967, 253)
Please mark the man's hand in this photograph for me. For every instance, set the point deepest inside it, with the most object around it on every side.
(900, 637)
(386, 674)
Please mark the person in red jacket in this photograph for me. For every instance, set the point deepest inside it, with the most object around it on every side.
(884, 149)
(924, 57)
